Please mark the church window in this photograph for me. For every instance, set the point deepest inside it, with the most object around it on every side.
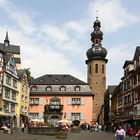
(96, 68)
(103, 69)
(89, 69)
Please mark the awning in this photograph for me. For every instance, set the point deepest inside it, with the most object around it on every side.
(5, 114)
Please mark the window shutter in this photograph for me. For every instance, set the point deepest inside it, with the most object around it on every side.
(69, 116)
(82, 101)
(41, 101)
(41, 115)
(82, 116)
(69, 101)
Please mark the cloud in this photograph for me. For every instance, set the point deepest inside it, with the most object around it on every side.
(79, 27)
(121, 51)
(50, 48)
(116, 59)
(19, 16)
(54, 34)
(112, 14)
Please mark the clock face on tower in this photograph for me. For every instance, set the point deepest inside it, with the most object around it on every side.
(6, 44)
(96, 49)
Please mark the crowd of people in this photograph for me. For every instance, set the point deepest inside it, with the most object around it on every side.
(120, 131)
(131, 132)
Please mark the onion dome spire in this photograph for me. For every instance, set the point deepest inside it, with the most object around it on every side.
(96, 51)
(96, 35)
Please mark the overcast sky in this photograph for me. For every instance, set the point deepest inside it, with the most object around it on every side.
(54, 35)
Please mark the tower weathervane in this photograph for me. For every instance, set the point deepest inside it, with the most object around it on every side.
(96, 14)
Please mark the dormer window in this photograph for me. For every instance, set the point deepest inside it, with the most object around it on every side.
(48, 88)
(56, 80)
(33, 88)
(62, 88)
(77, 88)
(41, 80)
(72, 80)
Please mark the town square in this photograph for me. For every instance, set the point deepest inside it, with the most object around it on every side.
(69, 70)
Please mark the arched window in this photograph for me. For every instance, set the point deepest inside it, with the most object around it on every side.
(48, 88)
(77, 88)
(96, 68)
(62, 88)
(33, 88)
(103, 69)
(89, 69)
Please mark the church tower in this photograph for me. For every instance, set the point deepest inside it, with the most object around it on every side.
(96, 75)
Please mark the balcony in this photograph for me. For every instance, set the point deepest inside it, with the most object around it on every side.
(52, 107)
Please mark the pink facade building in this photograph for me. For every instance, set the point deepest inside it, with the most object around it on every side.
(57, 97)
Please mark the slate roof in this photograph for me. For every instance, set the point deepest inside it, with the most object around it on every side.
(137, 53)
(127, 62)
(14, 48)
(62, 93)
(57, 79)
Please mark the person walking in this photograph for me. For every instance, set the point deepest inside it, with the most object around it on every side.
(138, 134)
(130, 133)
(120, 133)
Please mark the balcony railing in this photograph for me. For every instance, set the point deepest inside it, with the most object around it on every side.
(53, 107)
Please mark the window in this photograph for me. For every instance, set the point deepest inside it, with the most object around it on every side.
(96, 68)
(26, 99)
(22, 109)
(75, 116)
(1, 60)
(103, 69)
(12, 108)
(34, 101)
(6, 106)
(26, 90)
(89, 69)
(120, 100)
(56, 80)
(13, 95)
(48, 88)
(120, 111)
(22, 98)
(7, 93)
(135, 111)
(26, 110)
(11, 68)
(33, 88)
(8, 80)
(72, 80)
(77, 88)
(55, 101)
(23, 88)
(96, 41)
(14, 83)
(62, 88)
(34, 115)
(76, 101)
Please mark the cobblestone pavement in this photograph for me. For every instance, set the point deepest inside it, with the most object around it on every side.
(83, 135)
